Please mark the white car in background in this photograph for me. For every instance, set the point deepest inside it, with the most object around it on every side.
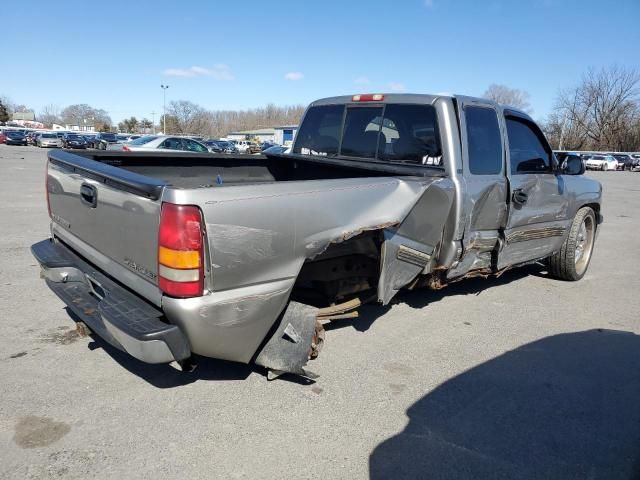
(164, 143)
(601, 162)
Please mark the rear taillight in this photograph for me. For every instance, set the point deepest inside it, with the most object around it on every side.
(46, 186)
(126, 148)
(180, 252)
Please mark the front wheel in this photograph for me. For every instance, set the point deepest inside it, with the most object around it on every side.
(572, 261)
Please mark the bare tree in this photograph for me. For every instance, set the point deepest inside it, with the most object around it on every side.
(509, 96)
(50, 114)
(602, 112)
(189, 117)
(83, 113)
(145, 125)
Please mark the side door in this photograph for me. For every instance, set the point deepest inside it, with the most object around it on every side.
(484, 182)
(538, 200)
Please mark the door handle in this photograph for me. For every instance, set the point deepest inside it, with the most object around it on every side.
(89, 195)
(519, 197)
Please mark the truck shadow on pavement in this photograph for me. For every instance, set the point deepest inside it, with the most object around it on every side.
(564, 407)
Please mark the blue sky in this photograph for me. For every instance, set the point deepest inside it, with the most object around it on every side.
(234, 55)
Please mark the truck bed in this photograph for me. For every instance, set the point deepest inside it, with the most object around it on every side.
(187, 170)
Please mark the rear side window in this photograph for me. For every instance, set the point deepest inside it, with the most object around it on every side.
(320, 131)
(527, 149)
(172, 144)
(483, 140)
(143, 140)
(193, 146)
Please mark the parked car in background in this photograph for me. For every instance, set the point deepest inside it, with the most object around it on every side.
(125, 137)
(60, 134)
(15, 137)
(102, 140)
(276, 150)
(73, 140)
(248, 146)
(622, 159)
(48, 139)
(635, 162)
(213, 146)
(227, 147)
(265, 145)
(31, 138)
(601, 162)
(164, 143)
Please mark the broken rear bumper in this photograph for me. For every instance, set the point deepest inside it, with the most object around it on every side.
(112, 312)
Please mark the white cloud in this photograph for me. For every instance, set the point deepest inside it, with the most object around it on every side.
(362, 81)
(294, 76)
(219, 72)
(397, 87)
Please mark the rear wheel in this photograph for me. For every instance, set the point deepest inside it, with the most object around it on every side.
(572, 261)
(605, 167)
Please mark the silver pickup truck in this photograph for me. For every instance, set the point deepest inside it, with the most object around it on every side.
(244, 258)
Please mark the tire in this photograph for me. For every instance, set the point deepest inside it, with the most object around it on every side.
(605, 167)
(571, 262)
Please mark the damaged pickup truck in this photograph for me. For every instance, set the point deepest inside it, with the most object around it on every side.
(244, 258)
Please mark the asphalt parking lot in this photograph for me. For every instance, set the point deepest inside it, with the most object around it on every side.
(517, 377)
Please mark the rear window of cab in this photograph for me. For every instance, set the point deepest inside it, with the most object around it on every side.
(398, 133)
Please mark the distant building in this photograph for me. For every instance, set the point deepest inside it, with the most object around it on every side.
(24, 116)
(84, 127)
(283, 135)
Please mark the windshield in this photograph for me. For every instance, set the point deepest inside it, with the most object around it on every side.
(143, 140)
(74, 137)
(597, 157)
(108, 136)
(48, 135)
(404, 133)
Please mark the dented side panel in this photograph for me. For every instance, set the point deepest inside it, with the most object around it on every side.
(259, 233)
(408, 249)
(229, 325)
(260, 236)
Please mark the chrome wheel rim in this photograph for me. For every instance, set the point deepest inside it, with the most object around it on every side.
(584, 244)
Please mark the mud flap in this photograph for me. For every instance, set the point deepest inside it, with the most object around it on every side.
(289, 348)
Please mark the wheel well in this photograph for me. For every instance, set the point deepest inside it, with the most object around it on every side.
(343, 271)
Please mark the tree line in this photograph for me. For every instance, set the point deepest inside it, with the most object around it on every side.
(185, 117)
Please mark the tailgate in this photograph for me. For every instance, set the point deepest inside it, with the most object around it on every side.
(108, 215)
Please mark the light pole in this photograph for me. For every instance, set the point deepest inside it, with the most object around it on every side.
(164, 107)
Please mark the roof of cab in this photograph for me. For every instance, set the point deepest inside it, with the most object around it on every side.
(427, 99)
